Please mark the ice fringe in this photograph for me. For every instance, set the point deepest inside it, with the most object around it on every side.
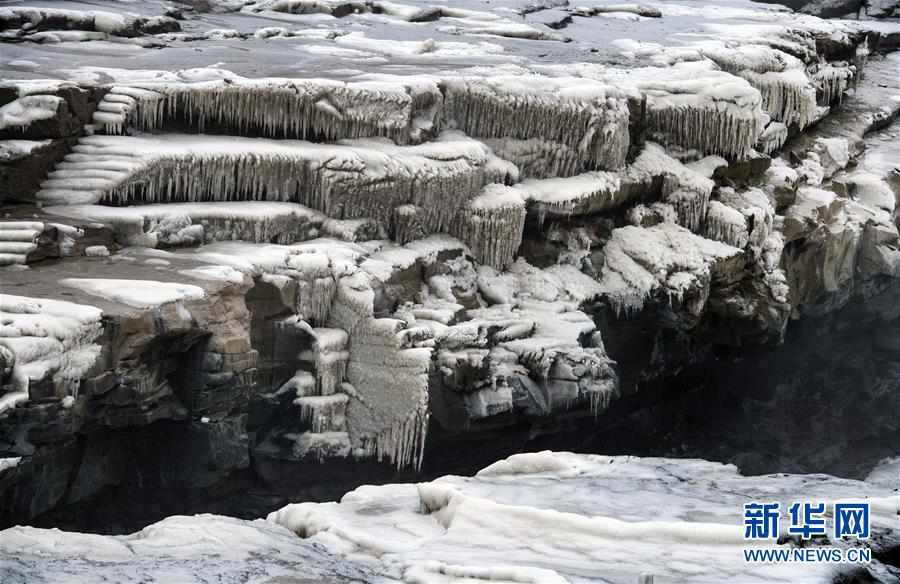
(725, 224)
(833, 79)
(582, 194)
(666, 257)
(492, 225)
(787, 93)
(329, 356)
(772, 138)
(389, 416)
(363, 178)
(49, 339)
(587, 117)
(323, 413)
(319, 109)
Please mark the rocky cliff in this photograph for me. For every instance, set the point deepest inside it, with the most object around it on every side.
(224, 288)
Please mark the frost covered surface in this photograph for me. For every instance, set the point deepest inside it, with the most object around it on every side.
(136, 293)
(365, 178)
(600, 519)
(21, 113)
(667, 258)
(46, 339)
(300, 108)
(202, 549)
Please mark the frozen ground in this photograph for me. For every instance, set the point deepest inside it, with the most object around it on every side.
(542, 518)
(325, 45)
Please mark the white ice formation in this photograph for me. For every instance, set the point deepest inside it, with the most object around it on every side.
(320, 109)
(365, 178)
(601, 519)
(49, 340)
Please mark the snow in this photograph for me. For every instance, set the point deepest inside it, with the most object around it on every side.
(136, 293)
(203, 549)
(667, 257)
(8, 463)
(574, 518)
(49, 339)
(16, 149)
(352, 179)
(492, 225)
(19, 114)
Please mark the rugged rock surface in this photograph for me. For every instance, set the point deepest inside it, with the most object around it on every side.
(222, 282)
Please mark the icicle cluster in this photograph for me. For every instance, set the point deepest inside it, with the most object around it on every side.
(368, 179)
(492, 225)
(326, 413)
(407, 225)
(536, 158)
(403, 443)
(316, 285)
(726, 225)
(690, 207)
(787, 93)
(316, 109)
(706, 128)
(588, 121)
(388, 417)
(833, 80)
(772, 138)
(329, 357)
(788, 96)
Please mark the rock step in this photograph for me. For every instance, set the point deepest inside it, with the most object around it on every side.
(27, 235)
(324, 413)
(18, 239)
(9, 259)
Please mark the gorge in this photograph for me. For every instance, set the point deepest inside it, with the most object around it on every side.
(260, 256)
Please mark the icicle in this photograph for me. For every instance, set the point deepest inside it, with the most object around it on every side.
(710, 130)
(833, 80)
(772, 138)
(788, 96)
(592, 124)
(323, 413)
(492, 225)
(690, 207)
(726, 225)
(408, 224)
(278, 108)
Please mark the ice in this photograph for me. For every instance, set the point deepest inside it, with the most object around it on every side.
(561, 517)
(48, 339)
(136, 293)
(195, 223)
(9, 462)
(585, 116)
(492, 224)
(203, 549)
(353, 179)
(642, 261)
(578, 195)
(292, 108)
(16, 149)
(19, 114)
